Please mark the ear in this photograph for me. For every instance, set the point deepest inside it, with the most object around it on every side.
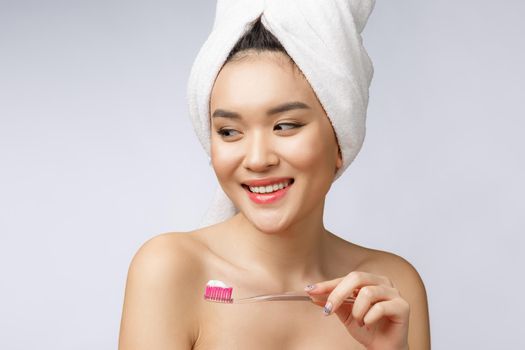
(339, 160)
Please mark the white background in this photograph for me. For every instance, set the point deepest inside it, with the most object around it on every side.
(97, 155)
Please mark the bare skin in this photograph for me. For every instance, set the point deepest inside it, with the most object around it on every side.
(267, 248)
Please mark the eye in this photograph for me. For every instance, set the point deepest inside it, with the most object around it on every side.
(289, 126)
(224, 132)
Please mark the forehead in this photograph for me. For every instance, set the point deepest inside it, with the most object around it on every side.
(259, 80)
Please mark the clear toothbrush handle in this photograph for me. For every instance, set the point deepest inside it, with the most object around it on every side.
(287, 296)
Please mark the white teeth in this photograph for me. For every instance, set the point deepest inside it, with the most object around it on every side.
(269, 188)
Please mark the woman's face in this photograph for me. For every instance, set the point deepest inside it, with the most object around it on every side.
(252, 138)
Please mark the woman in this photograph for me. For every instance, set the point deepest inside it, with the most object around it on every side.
(269, 128)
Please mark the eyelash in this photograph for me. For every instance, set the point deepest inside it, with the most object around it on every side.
(222, 131)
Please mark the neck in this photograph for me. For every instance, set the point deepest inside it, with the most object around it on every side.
(292, 256)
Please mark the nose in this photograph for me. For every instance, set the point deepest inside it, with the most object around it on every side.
(260, 154)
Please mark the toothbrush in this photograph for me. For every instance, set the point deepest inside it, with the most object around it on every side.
(218, 291)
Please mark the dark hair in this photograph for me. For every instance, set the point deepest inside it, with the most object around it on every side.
(257, 39)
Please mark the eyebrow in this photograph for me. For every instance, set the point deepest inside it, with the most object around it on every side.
(221, 113)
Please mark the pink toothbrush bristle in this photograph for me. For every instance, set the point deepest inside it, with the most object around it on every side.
(219, 294)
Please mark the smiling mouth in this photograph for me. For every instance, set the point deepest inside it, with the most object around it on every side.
(269, 189)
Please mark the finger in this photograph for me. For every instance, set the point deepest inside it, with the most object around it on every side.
(345, 315)
(368, 296)
(328, 286)
(354, 280)
(323, 287)
(397, 310)
(318, 301)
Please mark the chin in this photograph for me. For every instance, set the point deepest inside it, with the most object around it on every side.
(269, 222)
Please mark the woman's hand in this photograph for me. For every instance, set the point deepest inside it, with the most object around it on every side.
(378, 318)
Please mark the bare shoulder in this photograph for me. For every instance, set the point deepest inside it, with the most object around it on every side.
(159, 295)
(166, 258)
(169, 245)
(396, 268)
(404, 275)
(411, 287)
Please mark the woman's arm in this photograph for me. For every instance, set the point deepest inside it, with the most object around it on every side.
(159, 296)
(413, 290)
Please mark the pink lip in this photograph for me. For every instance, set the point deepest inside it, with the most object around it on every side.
(266, 198)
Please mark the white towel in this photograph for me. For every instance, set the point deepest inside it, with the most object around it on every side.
(323, 37)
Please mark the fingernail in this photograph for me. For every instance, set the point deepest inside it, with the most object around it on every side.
(309, 287)
(327, 308)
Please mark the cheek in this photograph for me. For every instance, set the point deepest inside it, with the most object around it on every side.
(311, 150)
(224, 157)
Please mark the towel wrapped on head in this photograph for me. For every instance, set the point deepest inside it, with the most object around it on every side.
(322, 37)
